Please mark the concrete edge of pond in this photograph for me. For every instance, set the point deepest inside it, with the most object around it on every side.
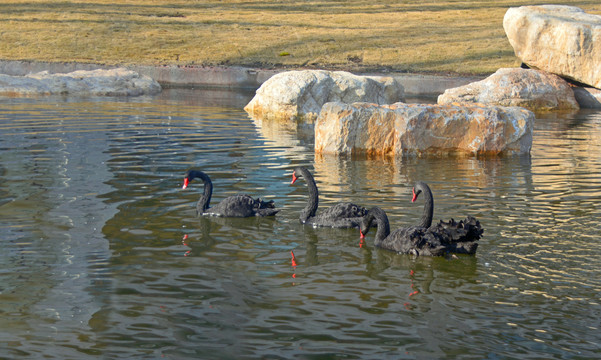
(234, 77)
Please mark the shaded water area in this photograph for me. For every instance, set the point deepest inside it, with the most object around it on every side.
(103, 255)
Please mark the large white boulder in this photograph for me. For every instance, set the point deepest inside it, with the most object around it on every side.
(563, 40)
(528, 88)
(299, 95)
(113, 82)
(399, 129)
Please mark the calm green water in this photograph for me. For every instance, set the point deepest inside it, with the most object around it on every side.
(103, 257)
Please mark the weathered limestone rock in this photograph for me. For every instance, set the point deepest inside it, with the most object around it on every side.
(301, 94)
(563, 40)
(113, 82)
(400, 129)
(528, 88)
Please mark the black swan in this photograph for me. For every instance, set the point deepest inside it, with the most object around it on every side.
(341, 215)
(423, 238)
(233, 206)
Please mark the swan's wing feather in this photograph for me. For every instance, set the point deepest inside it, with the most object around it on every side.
(438, 240)
(343, 211)
(403, 240)
(414, 240)
(235, 206)
(243, 206)
(341, 215)
(340, 223)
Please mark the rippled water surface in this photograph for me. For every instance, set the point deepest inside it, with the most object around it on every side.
(103, 255)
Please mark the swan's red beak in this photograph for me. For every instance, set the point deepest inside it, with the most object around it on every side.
(414, 195)
(294, 178)
(361, 236)
(186, 182)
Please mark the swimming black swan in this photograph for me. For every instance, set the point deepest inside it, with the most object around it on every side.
(341, 215)
(423, 238)
(233, 206)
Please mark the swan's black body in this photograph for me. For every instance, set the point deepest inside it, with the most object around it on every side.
(341, 215)
(233, 206)
(425, 239)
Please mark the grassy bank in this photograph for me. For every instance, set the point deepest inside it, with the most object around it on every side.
(441, 36)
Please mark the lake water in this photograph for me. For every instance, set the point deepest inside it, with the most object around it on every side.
(103, 255)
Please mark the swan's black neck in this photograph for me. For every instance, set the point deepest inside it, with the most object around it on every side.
(313, 200)
(379, 215)
(428, 214)
(205, 198)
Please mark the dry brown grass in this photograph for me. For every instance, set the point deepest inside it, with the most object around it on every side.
(409, 35)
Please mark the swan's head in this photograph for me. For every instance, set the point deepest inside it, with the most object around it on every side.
(363, 228)
(190, 174)
(418, 188)
(301, 171)
(363, 231)
(188, 178)
(193, 174)
(367, 220)
(415, 194)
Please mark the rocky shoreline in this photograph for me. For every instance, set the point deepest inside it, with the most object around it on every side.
(492, 116)
(99, 82)
(233, 77)
(475, 116)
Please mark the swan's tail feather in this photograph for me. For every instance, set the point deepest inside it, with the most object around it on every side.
(265, 208)
(460, 237)
(265, 204)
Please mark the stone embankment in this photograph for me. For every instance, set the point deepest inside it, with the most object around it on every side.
(230, 77)
(112, 82)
